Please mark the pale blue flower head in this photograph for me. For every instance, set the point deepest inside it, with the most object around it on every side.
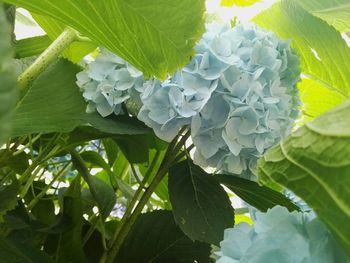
(107, 82)
(280, 236)
(255, 102)
(169, 105)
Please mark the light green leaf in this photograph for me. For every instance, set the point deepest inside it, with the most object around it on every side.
(7, 78)
(324, 54)
(314, 163)
(200, 205)
(31, 46)
(76, 51)
(52, 104)
(155, 36)
(241, 3)
(335, 12)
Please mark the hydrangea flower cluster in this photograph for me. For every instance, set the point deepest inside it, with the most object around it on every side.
(108, 82)
(256, 99)
(280, 236)
(170, 105)
(238, 94)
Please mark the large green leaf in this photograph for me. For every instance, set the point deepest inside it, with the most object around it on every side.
(314, 163)
(324, 55)
(31, 46)
(76, 51)
(200, 205)
(156, 36)
(335, 12)
(260, 197)
(156, 238)
(7, 78)
(52, 104)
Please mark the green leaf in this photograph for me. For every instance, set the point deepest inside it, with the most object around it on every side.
(240, 3)
(52, 104)
(260, 197)
(201, 207)
(155, 36)
(18, 163)
(31, 46)
(102, 193)
(7, 78)
(111, 149)
(70, 245)
(323, 52)
(334, 12)
(15, 252)
(156, 238)
(314, 163)
(8, 197)
(95, 159)
(76, 51)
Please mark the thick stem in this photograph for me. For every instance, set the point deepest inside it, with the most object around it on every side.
(49, 55)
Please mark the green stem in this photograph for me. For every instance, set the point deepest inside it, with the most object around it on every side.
(129, 221)
(34, 201)
(49, 55)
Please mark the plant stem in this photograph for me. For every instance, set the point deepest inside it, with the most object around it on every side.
(49, 55)
(129, 221)
(34, 201)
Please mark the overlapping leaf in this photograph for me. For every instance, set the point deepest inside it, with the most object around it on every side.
(314, 163)
(200, 205)
(335, 12)
(324, 55)
(156, 36)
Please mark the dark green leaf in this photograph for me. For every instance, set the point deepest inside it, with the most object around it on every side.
(8, 197)
(16, 252)
(116, 124)
(101, 192)
(201, 207)
(314, 163)
(70, 245)
(261, 197)
(52, 104)
(111, 149)
(19, 163)
(95, 159)
(156, 238)
(155, 36)
(31, 46)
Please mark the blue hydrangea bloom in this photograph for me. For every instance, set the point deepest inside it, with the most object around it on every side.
(280, 236)
(255, 102)
(169, 105)
(107, 82)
